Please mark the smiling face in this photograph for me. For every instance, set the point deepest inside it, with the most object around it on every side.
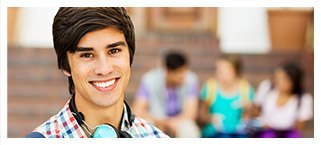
(100, 67)
(282, 81)
(225, 72)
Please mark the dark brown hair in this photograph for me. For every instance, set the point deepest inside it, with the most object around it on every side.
(72, 23)
(295, 73)
(174, 60)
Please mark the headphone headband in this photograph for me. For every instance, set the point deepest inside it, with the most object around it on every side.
(78, 115)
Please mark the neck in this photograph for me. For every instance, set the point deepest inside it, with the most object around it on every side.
(230, 87)
(97, 115)
(170, 84)
(284, 93)
(283, 98)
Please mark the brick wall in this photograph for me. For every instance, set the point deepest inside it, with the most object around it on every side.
(37, 89)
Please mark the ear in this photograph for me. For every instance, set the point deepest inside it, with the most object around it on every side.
(66, 73)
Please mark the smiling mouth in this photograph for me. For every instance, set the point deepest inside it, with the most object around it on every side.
(105, 86)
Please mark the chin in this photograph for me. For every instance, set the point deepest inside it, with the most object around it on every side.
(103, 103)
(107, 101)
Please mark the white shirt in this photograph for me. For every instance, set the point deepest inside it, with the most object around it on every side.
(283, 117)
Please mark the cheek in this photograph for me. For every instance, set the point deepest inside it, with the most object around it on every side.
(172, 77)
(283, 84)
(79, 73)
(79, 70)
(177, 79)
(127, 72)
(228, 74)
(288, 84)
(123, 65)
(122, 59)
(180, 78)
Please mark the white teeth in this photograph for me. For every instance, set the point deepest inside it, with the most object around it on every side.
(104, 84)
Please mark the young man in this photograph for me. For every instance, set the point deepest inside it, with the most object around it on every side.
(168, 97)
(95, 49)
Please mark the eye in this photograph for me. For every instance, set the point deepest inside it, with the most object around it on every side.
(113, 51)
(87, 55)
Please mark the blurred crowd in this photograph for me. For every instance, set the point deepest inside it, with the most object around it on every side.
(226, 105)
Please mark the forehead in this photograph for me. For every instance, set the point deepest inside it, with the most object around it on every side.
(101, 37)
(280, 73)
(223, 63)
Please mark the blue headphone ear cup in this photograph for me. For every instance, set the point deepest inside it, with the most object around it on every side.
(106, 131)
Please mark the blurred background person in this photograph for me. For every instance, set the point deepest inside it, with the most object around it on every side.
(168, 97)
(224, 99)
(284, 104)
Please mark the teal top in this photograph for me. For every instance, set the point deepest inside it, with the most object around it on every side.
(228, 109)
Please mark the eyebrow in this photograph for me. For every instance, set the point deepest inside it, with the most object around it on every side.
(112, 45)
(119, 43)
(84, 49)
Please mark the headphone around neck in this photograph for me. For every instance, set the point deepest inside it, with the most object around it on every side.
(105, 130)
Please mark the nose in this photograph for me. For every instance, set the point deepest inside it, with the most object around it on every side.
(103, 66)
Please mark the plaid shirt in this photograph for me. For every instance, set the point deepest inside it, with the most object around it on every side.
(64, 125)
